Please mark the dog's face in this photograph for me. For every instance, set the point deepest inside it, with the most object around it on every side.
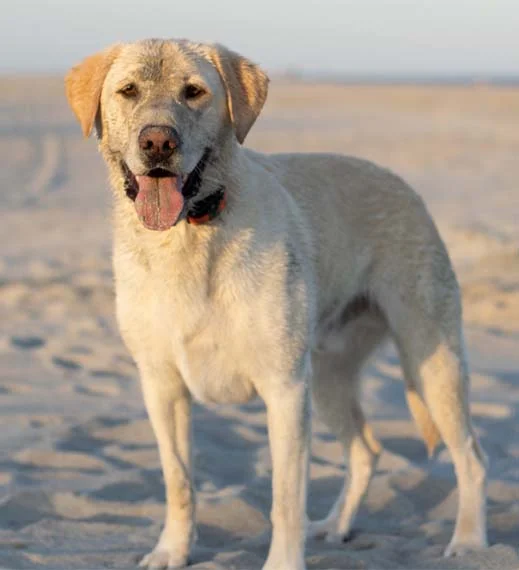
(158, 106)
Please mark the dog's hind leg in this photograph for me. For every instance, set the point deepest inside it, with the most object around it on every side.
(336, 400)
(427, 330)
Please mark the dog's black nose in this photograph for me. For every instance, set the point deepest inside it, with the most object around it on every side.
(157, 142)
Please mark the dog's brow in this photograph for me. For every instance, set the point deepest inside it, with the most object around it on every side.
(152, 61)
(152, 69)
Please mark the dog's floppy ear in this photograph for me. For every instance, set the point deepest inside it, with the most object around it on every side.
(83, 85)
(246, 86)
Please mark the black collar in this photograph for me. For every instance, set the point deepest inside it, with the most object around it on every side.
(208, 208)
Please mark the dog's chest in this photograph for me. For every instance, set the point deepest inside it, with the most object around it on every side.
(214, 358)
(213, 368)
(207, 341)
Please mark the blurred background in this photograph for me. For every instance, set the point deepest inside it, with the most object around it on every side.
(427, 88)
(388, 39)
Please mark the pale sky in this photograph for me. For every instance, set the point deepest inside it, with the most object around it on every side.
(402, 37)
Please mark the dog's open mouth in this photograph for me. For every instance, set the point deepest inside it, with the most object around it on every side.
(158, 197)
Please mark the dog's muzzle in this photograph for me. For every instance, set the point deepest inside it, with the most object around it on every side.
(160, 196)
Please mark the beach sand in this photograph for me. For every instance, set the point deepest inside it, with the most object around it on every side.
(80, 483)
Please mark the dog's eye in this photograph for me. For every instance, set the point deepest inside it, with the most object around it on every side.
(129, 91)
(192, 92)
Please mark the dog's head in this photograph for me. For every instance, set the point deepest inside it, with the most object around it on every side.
(159, 108)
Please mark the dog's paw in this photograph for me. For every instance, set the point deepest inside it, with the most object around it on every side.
(327, 529)
(284, 564)
(161, 558)
(338, 537)
(462, 546)
(319, 529)
(172, 549)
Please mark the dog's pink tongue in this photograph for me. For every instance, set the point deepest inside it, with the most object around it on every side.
(159, 201)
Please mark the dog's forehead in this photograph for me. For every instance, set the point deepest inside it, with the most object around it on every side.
(161, 60)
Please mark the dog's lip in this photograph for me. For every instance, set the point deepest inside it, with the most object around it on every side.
(160, 173)
(156, 172)
(131, 185)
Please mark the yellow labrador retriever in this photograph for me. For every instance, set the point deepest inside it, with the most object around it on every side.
(242, 274)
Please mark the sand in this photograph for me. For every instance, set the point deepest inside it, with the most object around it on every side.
(80, 483)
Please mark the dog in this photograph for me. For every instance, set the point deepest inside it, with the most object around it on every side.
(240, 274)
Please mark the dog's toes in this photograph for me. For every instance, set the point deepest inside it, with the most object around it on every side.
(337, 537)
(160, 559)
(319, 529)
(327, 530)
(454, 550)
(460, 547)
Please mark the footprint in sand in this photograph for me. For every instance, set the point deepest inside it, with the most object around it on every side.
(98, 389)
(27, 342)
(110, 374)
(66, 363)
(80, 349)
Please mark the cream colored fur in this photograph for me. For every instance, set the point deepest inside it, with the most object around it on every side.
(315, 261)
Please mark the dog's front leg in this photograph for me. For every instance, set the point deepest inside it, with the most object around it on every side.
(288, 417)
(169, 408)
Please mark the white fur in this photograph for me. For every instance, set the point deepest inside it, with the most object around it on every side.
(256, 301)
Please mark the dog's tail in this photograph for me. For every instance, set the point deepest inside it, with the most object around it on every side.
(423, 419)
